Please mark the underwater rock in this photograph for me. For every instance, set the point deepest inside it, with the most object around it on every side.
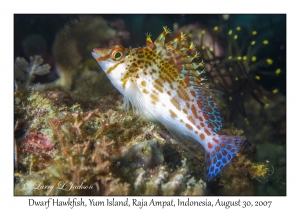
(146, 154)
(174, 186)
(91, 85)
(140, 179)
(153, 187)
(194, 187)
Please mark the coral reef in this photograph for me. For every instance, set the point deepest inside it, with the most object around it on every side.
(73, 134)
(66, 144)
(115, 152)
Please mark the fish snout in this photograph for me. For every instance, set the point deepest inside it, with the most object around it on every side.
(101, 53)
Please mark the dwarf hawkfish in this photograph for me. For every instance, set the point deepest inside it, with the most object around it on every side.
(162, 83)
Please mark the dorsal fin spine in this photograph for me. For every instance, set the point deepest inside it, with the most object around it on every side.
(161, 39)
(149, 42)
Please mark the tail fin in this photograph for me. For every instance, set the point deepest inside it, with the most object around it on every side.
(223, 150)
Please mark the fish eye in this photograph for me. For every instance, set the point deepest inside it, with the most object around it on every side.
(117, 55)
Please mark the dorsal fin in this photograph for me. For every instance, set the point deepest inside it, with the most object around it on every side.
(189, 73)
(206, 99)
(161, 39)
(176, 57)
(149, 42)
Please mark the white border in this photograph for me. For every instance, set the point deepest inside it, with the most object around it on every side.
(117, 6)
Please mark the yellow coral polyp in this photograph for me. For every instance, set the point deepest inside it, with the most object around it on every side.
(261, 171)
(269, 61)
(265, 42)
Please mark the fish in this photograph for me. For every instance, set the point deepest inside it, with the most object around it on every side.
(163, 83)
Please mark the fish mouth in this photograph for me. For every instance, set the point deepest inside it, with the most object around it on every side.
(97, 50)
(96, 53)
